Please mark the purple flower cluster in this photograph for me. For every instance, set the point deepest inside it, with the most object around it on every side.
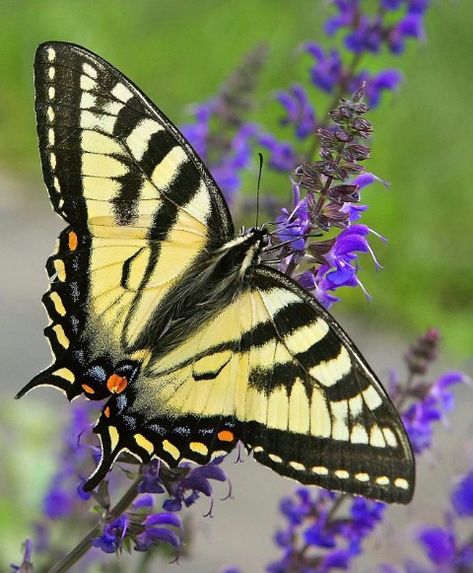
(432, 405)
(184, 484)
(390, 24)
(315, 538)
(139, 526)
(444, 547)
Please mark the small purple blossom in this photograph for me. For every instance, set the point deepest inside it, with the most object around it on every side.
(387, 80)
(157, 530)
(294, 226)
(151, 482)
(113, 534)
(326, 73)
(462, 496)
(436, 402)
(282, 156)
(187, 489)
(299, 111)
(438, 543)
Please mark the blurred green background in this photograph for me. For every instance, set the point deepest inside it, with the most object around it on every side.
(179, 53)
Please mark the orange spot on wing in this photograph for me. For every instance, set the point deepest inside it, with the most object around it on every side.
(88, 389)
(73, 240)
(226, 436)
(106, 412)
(116, 383)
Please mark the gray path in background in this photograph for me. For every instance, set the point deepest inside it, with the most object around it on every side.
(241, 530)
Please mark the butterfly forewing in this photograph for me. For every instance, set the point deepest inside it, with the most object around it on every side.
(141, 206)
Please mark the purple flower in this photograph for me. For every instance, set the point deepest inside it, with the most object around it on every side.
(151, 482)
(366, 37)
(391, 4)
(57, 502)
(327, 71)
(282, 154)
(113, 534)
(196, 481)
(439, 544)
(294, 226)
(462, 496)
(348, 10)
(387, 80)
(197, 133)
(299, 111)
(227, 172)
(157, 531)
(437, 401)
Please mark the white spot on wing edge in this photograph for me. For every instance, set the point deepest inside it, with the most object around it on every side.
(89, 70)
(297, 466)
(51, 52)
(121, 92)
(320, 470)
(401, 483)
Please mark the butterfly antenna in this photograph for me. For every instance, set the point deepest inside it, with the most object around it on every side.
(258, 187)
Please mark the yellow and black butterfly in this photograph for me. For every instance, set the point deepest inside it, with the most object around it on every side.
(156, 305)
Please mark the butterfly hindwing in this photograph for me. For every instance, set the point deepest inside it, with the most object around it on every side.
(140, 204)
(274, 370)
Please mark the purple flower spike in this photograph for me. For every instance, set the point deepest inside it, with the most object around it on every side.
(462, 496)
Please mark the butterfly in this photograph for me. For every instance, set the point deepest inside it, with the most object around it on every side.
(159, 308)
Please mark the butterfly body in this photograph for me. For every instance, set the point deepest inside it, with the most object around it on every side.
(159, 308)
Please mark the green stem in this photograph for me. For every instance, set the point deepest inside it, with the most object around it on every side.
(82, 548)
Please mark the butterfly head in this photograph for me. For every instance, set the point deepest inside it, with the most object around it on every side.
(259, 236)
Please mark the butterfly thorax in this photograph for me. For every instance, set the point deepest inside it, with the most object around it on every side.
(239, 254)
(211, 285)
